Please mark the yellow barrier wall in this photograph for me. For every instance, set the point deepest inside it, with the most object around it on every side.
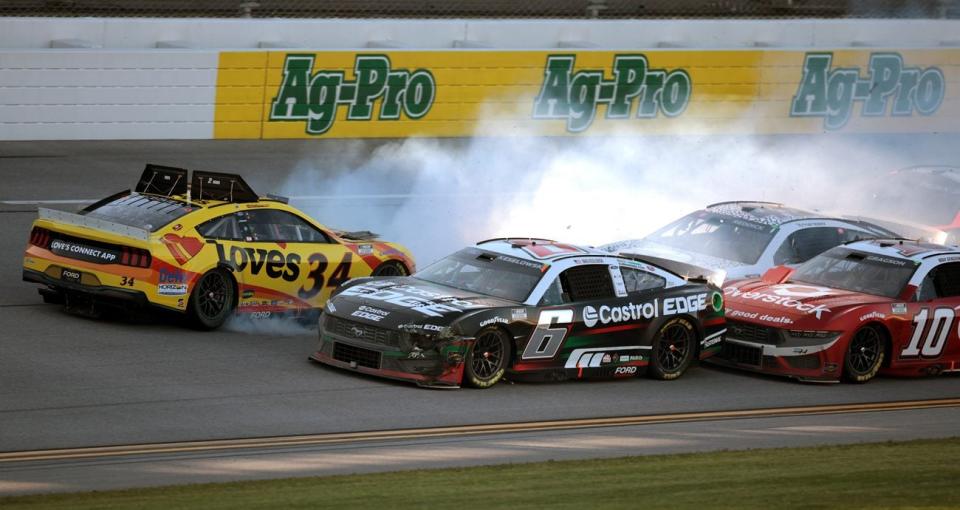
(351, 94)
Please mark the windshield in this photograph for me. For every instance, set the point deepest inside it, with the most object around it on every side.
(717, 235)
(843, 268)
(484, 272)
(141, 211)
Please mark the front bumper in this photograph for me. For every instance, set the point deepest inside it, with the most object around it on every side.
(814, 364)
(89, 289)
(435, 369)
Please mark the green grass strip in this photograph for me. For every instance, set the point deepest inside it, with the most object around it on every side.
(914, 474)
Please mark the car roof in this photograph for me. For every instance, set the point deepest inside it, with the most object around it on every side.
(539, 250)
(901, 248)
(766, 213)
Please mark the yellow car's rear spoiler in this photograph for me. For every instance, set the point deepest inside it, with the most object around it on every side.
(94, 223)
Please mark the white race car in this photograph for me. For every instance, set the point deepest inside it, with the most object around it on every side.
(744, 239)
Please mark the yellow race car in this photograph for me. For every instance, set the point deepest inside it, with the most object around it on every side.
(203, 244)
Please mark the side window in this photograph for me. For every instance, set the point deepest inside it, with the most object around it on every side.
(943, 281)
(278, 226)
(639, 281)
(805, 244)
(553, 295)
(584, 283)
(225, 227)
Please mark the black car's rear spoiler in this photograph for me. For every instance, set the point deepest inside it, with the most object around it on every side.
(681, 269)
(168, 181)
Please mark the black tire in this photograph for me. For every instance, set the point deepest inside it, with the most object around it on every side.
(672, 350)
(864, 354)
(390, 268)
(487, 359)
(212, 300)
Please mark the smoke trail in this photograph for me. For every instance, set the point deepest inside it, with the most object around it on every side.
(436, 196)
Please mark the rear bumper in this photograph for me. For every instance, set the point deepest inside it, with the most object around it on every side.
(100, 293)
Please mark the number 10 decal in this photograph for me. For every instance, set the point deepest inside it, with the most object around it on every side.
(936, 336)
(547, 339)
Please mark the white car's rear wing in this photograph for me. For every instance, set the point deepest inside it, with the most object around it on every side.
(94, 223)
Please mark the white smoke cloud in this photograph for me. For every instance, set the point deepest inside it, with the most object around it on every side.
(436, 196)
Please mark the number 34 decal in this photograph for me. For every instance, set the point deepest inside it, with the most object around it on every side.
(934, 338)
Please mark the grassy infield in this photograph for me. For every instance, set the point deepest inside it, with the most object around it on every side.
(917, 474)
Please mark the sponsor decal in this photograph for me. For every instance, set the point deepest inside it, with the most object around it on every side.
(181, 303)
(407, 296)
(786, 295)
(330, 307)
(260, 315)
(177, 227)
(948, 259)
(83, 252)
(277, 264)
(370, 313)
(493, 320)
(171, 276)
(588, 260)
(710, 342)
(887, 260)
(315, 96)
(172, 289)
(635, 90)
(889, 88)
(518, 314)
(873, 315)
(419, 327)
(520, 262)
(760, 317)
(898, 308)
(182, 248)
(364, 249)
(247, 294)
(634, 312)
(625, 371)
(70, 276)
(606, 359)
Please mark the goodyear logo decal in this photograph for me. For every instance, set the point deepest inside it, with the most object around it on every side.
(314, 97)
(574, 96)
(831, 93)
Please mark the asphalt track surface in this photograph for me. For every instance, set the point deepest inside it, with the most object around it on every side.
(68, 381)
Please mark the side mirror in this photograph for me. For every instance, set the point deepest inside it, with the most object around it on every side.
(778, 274)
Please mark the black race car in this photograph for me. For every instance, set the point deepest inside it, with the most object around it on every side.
(524, 306)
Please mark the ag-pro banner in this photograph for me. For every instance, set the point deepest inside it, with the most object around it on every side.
(362, 94)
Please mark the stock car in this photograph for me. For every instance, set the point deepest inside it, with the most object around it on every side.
(868, 307)
(205, 247)
(927, 194)
(743, 239)
(526, 307)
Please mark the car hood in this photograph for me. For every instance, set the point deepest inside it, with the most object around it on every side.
(792, 303)
(405, 301)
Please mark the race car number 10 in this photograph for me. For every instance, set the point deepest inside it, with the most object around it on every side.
(936, 335)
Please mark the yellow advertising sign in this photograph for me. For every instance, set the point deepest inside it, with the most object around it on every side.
(366, 94)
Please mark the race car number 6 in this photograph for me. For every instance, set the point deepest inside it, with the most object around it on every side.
(546, 339)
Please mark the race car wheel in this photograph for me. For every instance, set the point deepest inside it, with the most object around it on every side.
(864, 355)
(487, 359)
(673, 348)
(390, 268)
(211, 300)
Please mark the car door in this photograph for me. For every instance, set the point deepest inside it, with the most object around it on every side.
(933, 336)
(586, 324)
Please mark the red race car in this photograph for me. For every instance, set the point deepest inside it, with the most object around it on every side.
(863, 308)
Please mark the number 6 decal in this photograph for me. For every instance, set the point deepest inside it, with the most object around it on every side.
(546, 339)
(935, 338)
